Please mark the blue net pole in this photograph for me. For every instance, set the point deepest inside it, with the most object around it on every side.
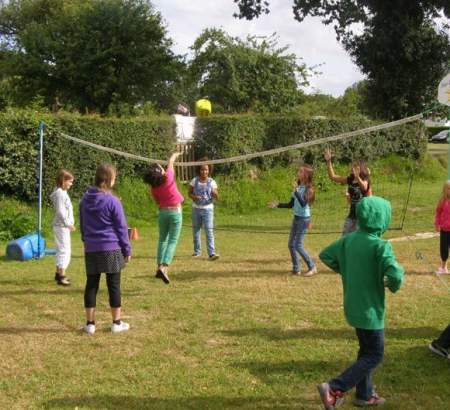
(40, 166)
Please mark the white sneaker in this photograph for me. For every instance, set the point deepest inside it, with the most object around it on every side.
(89, 329)
(311, 272)
(123, 327)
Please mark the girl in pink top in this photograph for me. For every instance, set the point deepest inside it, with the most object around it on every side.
(442, 224)
(164, 190)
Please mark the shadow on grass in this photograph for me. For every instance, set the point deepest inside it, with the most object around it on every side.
(213, 402)
(326, 334)
(36, 330)
(58, 292)
(187, 276)
(26, 282)
(419, 273)
(312, 371)
(418, 374)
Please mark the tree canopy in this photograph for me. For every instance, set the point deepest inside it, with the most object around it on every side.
(87, 54)
(401, 50)
(246, 75)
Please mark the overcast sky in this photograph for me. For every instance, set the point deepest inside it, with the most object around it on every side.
(314, 42)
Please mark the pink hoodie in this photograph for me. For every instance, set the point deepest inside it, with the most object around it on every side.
(442, 218)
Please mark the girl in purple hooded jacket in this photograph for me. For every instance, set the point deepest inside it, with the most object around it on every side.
(104, 231)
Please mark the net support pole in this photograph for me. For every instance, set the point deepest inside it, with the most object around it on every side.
(40, 167)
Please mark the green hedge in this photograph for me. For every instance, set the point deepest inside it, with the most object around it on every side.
(19, 148)
(225, 136)
(219, 136)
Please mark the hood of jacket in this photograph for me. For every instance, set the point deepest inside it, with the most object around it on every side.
(95, 200)
(374, 215)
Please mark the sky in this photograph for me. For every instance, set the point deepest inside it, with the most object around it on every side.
(310, 40)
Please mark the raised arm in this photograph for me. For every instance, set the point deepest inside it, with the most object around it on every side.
(172, 160)
(331, 174)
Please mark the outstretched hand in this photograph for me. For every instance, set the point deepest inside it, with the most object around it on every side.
(273, 204)
(327, 154)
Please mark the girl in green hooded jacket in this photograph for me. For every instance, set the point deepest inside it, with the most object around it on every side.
(367, 265)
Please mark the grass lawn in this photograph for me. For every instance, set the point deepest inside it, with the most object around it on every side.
(437, 149)
(240, 332)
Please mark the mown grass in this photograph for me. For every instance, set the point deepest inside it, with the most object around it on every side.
(240, 332)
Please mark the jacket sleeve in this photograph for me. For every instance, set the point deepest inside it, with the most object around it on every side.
(60, 209)
(121, 227)
(329, 256)
(392, 271)
(80, 213)
(289, 204)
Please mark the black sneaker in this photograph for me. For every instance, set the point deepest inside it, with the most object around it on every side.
(163, 276)
(439, 350)
(62, 280)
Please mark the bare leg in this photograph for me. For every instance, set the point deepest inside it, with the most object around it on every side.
(115, 312)
(90, 314)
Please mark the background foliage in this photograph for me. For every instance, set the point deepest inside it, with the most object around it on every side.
(231, 135)
(401, 48)
(152, 138)
(86, 55)
(254, 74)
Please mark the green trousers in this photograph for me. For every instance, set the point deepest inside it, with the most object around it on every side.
(169, 231)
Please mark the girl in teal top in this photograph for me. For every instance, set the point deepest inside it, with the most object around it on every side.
(302, 197)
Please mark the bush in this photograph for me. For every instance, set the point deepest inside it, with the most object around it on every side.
(152, 138)
(232, 135)
(16, 220)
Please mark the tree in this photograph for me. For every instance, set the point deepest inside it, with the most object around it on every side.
(246, 75)
(401, 51)
(87, 53)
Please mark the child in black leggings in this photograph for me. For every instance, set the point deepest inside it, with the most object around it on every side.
(104, 231)
(442, 224)
(441, 345)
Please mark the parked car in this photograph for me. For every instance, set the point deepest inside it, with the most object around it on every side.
(441, 136)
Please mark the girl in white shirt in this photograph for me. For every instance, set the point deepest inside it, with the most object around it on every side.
(63, 225)
(203, 191)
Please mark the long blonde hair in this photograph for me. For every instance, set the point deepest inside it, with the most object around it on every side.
(309, 173)
(444, 194)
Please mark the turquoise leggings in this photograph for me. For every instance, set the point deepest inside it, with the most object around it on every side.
(169, 231)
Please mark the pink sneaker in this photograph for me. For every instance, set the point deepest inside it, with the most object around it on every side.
(442, 271)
